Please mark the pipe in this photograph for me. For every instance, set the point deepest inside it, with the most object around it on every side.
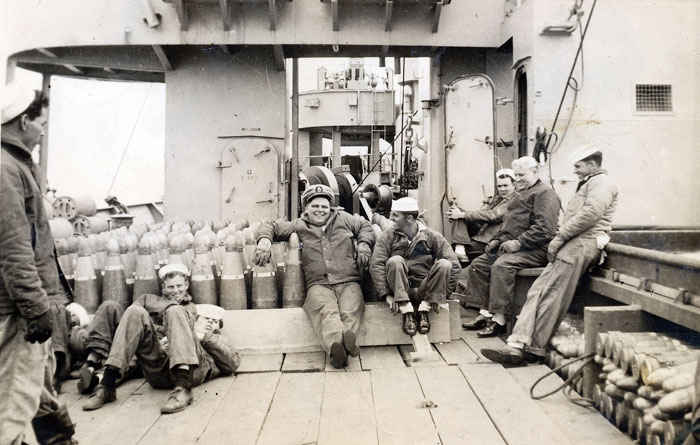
(449, 87)
(654, 255)
(643, 228)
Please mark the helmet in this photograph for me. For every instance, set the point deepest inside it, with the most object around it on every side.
(405, 205)
(312, 191)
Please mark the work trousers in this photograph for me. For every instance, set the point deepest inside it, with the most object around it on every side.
(137, 336)
(103, 327)
(432, 288)
(550, 295)
(491, 278)
(334, 309)
(26, 371)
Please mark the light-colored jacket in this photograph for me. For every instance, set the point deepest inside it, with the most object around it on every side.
(589, 213)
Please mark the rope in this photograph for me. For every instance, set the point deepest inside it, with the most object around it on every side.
(568, 383)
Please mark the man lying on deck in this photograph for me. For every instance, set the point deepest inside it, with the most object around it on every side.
(172, 345)
(577, 245)
(413, 265)
(335, 246)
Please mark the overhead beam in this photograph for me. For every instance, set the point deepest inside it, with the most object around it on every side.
(226, 15)
(47, 53)
(52, 55)
(334, 13)
(182, 15)
(162, 57)
(73, 68)
(272, 12)
(278, 54)
(388, 14)
(94, 73)
(436, 15)
(131, 58)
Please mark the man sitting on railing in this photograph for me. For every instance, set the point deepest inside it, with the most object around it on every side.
(576, 246)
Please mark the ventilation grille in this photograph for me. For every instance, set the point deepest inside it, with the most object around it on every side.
(653, 98)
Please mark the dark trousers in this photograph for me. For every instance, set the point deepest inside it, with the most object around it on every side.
(491, 277)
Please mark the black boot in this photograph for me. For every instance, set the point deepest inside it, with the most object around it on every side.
(54, 428)
(409, 324)
(423, 322)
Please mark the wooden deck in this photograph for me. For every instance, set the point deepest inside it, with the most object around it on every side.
(296, 399)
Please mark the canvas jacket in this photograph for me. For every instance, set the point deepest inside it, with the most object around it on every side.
(420, 253)
(531, 217)
(28, 275)
(327, 253)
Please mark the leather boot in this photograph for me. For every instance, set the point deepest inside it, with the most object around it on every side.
(178, 399)
(350, 343)
(54, 428)
(409, 324)
(423, 322)
(338, 356)
(103, 394)
(87, 381)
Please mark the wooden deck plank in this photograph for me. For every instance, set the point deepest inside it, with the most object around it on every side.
(352, 366)
(476, 344)
(456, 352)
(519, 419)
(125, 422)
(188, 425)
(583, 426)
(304, 361)
(398, 402)
(295, 412)
(459, 416)
(377, 357)
(260, 363)
(242, 411)
(347, 414)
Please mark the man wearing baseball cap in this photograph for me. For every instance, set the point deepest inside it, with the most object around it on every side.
(159, 332)
(28, 278)
(577, 244)
(487, 219)
(335, 245)
(413, 265)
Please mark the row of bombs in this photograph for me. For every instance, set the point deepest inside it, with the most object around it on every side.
(123, 264)
(646, 385)
(567, 343)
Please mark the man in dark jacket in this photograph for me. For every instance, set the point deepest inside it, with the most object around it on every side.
(413, 264)
(529, 225)
(160, 332)
(331, 263)
(28, 279)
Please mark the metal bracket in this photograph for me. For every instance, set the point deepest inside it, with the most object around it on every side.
(644, 284)
(683, 296)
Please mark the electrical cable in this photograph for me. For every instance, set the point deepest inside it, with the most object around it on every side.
(128, 142)
(572, 379)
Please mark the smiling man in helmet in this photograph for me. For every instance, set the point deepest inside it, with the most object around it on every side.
(335, 245)
(413, 264)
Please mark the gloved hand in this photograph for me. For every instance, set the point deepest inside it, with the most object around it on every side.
(39, 329)
(492, 246)
(263, 252)
(553, 248)
(393, 307)
(510, 246)
(364, 253)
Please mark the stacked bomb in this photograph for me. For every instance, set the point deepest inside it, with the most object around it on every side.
(646, 384)
(123, 264)
(80, 212)
(565, 345)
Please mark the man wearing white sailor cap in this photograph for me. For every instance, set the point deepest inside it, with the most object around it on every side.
(161, 333)
(581, 236)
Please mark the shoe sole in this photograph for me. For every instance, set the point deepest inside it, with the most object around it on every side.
(498, 357)
(338, 356)
(350, 343)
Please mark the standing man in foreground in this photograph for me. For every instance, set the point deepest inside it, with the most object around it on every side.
(577, 245)
(331, 264)
(413, 264)
(530, 222)
(28, 277)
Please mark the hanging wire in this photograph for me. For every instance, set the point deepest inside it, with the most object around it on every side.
(568, 383)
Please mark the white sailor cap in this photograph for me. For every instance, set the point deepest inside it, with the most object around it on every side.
(210, 311)
(174, 267)
(79, 312)
(14, 100)
(584, 152)
(506, 172)
(406, 204)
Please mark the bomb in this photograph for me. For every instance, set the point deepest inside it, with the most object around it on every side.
(85, 289)
(146, 280)
(233, 289)
(202, 284)
(114, 282)
(264, 287)
(293, 293)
